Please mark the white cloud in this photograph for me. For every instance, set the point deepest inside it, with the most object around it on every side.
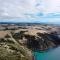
(29, 10)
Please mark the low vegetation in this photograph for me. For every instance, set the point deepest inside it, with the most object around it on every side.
(18, 45)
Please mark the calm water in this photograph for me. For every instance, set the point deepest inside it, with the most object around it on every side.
(53, 54)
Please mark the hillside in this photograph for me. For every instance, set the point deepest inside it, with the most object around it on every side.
(18, 44)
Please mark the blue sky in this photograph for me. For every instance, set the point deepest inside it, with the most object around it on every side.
(30, 11)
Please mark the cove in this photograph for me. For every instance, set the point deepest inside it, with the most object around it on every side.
(53, 54)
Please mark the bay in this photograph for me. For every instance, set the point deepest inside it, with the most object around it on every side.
(53, 54)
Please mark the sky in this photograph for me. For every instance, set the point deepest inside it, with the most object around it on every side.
(30, 11)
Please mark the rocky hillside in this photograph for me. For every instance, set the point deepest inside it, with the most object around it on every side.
(12, 49)
(19, 45)
(42, 41)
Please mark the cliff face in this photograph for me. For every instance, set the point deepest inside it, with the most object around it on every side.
(42, 41)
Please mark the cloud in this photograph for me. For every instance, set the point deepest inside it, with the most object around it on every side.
(29, 10)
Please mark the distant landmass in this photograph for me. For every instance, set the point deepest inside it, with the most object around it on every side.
(31, 23)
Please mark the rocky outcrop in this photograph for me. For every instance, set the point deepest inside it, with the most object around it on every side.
(42, 41)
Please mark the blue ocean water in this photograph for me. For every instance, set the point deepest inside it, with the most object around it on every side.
(53, 54)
